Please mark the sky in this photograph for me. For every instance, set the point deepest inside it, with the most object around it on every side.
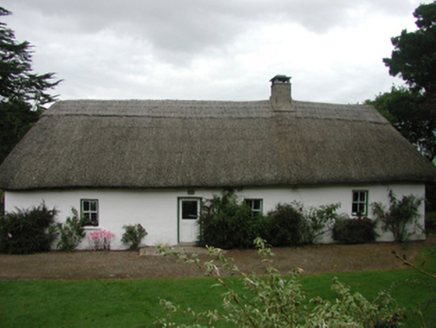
(213, 50)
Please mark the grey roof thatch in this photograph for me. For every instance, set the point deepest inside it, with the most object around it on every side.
(171, 144)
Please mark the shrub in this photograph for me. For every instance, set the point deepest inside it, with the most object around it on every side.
(401, 217)
(100, 240)
(226, 223)
(28, 231)
(71, 232)
(359, 230)
(319, 220)
(286, 226)
(133, 235)
(277, 301)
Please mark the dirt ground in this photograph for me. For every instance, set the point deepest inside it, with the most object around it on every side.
(88, 265)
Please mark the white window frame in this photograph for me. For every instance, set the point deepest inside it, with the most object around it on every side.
(359, 202)
(90, 215)
(255, 211)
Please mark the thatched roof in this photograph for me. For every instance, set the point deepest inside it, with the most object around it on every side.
(172, 144)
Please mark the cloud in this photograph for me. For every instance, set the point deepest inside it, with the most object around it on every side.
(198, 49)
(196, 25)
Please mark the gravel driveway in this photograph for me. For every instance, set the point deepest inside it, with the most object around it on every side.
(86, 265)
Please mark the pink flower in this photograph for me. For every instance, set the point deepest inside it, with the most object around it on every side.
(9, 235)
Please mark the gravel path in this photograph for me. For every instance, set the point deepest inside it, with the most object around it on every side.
(86, 265)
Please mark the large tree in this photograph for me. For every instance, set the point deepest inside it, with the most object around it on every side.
(23, 93)
(408, 113)
(412, 109)
(414, 56)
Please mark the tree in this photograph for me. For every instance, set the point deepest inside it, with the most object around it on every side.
(412, 109)
(22, 93)
(408, 113)
(414, 57)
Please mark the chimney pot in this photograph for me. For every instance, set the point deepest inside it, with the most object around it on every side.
(281, 99)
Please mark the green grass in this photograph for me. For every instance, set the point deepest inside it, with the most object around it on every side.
(98, 303)
(136, 303)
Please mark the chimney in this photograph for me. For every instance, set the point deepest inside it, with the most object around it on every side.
(280, 99)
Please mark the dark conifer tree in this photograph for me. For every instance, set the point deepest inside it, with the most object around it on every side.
(23, 93)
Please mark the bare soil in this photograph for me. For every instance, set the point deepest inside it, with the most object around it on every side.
(91, 265)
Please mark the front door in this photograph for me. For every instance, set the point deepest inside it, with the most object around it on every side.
(189, 213)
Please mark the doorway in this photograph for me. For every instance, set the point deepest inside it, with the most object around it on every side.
(189, 214)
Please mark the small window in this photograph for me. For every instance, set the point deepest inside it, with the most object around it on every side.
(190, 209)
(255, 205)
(89, 211)
(360, 202)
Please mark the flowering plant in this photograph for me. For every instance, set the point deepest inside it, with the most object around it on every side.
(401, 217)
(101, 239)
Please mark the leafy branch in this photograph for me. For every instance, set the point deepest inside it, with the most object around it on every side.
(406, 262)
(277, 301)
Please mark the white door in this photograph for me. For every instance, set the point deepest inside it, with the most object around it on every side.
(189, 212)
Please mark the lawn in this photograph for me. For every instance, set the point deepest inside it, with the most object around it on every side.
(135, 303)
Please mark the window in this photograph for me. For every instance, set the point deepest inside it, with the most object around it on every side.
(190, 209)
(255, 205)
(360, 202)
(89, 211)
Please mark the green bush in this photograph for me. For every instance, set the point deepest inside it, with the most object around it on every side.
(226, 223)
(28, 231)
(71, 232)
(291, 224)
(286, 226)
(359, 230)
(133, 235)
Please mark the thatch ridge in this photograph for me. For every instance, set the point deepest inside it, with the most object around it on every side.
(210, 109)
(184, 144)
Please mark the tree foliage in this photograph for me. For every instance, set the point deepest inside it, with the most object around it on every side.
(412, 109)
(22, 92)
(407, 112)
(414, 56)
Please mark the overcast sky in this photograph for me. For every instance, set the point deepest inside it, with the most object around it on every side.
(213, 50)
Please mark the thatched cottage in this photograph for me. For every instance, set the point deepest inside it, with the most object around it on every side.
(154, 161)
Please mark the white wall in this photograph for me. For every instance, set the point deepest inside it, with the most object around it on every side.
(157, 210)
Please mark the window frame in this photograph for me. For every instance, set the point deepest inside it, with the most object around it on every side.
(254, 211)
(85, 214)
(359, 202)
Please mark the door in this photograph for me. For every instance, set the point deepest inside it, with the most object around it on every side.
(189, 212)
